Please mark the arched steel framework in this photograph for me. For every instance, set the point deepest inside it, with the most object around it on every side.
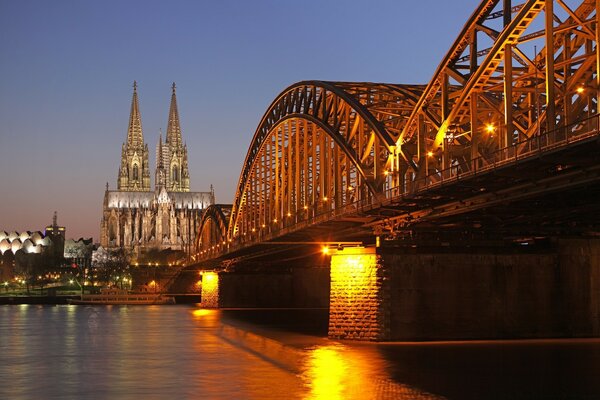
(320, 146)
(514, 73)
(518, 79)
(213, 228)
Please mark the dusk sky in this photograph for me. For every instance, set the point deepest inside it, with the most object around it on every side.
(67, 68)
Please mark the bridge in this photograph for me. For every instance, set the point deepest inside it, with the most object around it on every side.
(501, 146)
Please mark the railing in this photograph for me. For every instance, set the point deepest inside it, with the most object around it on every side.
(535, 146)
(530, 147)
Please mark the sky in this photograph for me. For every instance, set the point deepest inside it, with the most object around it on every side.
(67, 69)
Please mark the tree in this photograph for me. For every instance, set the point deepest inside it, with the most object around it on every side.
(110, 264)
(29, 266)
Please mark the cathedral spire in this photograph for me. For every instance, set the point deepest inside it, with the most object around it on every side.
(173, 127)
(134, 174)
(135, 137)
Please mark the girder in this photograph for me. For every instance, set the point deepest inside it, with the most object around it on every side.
(333, 140)
(518, 81)
(213, 227)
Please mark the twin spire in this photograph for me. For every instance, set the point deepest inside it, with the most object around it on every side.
(171, 157)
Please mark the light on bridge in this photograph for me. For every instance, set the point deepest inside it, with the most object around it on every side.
(325, 198)
(305, 207)
(275, 220)
(580, 90)
(490, 128)
(289, 214)
(430, 154)
(325, 250)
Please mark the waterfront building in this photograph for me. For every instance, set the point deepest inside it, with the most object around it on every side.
(137, 218)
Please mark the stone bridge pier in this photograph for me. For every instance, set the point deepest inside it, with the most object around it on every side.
(385, 293)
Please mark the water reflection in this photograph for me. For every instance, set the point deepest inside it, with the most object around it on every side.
(360, 372)
(75, 352)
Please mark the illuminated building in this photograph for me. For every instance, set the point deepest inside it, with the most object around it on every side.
(138, 218)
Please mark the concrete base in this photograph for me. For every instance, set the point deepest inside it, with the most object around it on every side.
(477, 296)
(299, 287)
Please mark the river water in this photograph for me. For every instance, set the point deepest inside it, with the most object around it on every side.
(182, 352)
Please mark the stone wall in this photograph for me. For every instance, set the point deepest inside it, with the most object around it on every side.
(296, 287)
(211, 290)
(478, 296)
(359, 298)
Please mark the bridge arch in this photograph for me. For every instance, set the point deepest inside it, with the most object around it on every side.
(213, 227)
(320, 147)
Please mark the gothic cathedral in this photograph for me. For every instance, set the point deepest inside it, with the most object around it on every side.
(135, 217)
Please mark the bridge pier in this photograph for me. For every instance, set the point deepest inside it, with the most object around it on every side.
(211, 283)
(468, 293)
(461, 291)
(359, 305)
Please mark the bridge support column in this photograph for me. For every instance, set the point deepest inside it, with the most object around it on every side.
(210, 290)
(359, 296)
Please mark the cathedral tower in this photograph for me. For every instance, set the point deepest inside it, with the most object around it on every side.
(134, 172)
(172, 160)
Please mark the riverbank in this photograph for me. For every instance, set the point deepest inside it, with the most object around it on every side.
(63, 299)
(46, 300)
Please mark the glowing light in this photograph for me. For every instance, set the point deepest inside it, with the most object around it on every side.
(275, 220)
(325, 198)
(325, 250)
(71, 281)
(210, 289)
(253, 230)
(202, 312)
(289, 214)
(350, 188)
(490, 128)
(327, 371)
(386, 172)
(263, 225)
(580, 90)
(430, 154)
(305, 207)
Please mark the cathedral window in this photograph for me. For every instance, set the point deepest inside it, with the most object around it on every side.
(175, 174)
(135, 172)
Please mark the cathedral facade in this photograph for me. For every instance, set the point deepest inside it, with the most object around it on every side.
(138, 218)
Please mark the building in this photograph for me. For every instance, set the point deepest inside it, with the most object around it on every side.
(138, 218)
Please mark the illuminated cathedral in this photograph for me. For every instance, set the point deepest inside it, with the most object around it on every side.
(138, 218)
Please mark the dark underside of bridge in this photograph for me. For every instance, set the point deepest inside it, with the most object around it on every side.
(554, 195)
(529, 201)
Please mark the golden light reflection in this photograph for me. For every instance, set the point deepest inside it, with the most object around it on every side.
(347, 372)
(210, 289)
(202, 312)
(327, 373)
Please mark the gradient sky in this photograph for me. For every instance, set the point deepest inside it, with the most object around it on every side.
(67, 67)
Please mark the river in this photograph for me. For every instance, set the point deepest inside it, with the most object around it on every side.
(182, 352)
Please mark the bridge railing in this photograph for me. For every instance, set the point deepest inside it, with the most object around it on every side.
(543, 143)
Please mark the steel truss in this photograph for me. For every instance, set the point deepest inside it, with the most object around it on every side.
(517, 76)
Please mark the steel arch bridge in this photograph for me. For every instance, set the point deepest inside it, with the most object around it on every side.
(518, 80)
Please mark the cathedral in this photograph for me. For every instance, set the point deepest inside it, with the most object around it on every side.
(138, 218)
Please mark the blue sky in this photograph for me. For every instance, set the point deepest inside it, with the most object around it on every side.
(67, 67)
